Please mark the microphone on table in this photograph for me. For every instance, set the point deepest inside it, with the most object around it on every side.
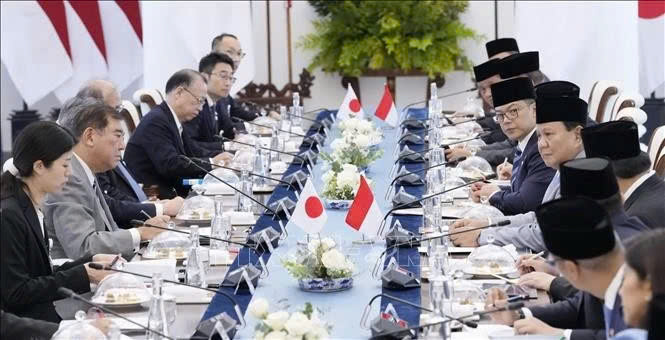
(66, 292)
(487, 115)
(400, 206)
(324, 122)
(310, 139)
(250, 173)
(227, 321)
(192, 162)
(509, 307)
(444, 146)
(440, 97)
(427, 168)
(139, 223)
(301, 158)
(381, 325)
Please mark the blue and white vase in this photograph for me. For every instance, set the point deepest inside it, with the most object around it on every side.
(338, 204)
(325, 285)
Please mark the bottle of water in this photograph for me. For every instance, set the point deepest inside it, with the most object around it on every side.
(195, 270)
(295, 117)
(217, 228)
(259, 168)
(157, 315)
(433, 98)
(441, 297)
(274, 144)
(244, 203)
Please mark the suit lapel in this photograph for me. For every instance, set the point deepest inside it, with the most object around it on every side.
(643, 188)
(31, 216)
(174, 128)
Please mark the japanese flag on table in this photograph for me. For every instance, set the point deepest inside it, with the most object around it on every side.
(364, 214)
(386, 110)
(309, 213)
(350, 106)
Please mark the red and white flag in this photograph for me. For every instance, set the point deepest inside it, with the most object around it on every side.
(651, 30)
(309, 213)
(364, 214)
(350, 106)
(386, 110)
(36, 46)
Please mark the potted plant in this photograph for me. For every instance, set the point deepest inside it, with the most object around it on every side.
(341, 183)
(389, 38)
(302, 324)
(321, 267)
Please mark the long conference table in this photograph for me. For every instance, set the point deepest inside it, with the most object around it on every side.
(342, 309)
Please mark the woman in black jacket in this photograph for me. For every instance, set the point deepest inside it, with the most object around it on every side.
(28, 283)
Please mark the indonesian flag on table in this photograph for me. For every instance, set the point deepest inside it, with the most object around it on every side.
(309, 213)
(364, 214)
(386, 110)
(350, 106)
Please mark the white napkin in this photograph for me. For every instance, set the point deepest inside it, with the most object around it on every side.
(278, 167)
(241, 218)
(167, 267)
(184, 294)
(409, 211)
(218, 189)
(219, 257)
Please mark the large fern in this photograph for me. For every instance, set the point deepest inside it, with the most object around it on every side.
(352, 37)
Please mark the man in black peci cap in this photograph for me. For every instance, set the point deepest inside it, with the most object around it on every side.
(501, 48)
(642, 190)
(514, 101)
(526, 64)
(582, 244)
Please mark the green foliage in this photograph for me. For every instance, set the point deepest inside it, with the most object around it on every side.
(352, 36)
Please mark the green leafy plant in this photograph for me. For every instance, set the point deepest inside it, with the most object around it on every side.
(352, 37)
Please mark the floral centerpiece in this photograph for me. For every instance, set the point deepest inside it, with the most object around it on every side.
(352, 150)
(320, 267)
(361, 131)
(341, 183)
(281, 325)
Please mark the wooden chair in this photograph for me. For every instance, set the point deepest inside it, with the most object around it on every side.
(133, 117)
(601, 93)
(636, 115)
(657, 145)
(626, 100)
(659, 167)
(150, 97)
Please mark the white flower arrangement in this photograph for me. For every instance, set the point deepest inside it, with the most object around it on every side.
(361, 131)
(320, 260)
(282, 325)
(354, 151)
(341, 182)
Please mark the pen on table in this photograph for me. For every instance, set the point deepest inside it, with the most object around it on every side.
(533, 257)
(115, 260)
(505, 162)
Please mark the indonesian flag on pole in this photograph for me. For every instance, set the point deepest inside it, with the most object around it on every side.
(350, 106)
(364, 214)
(35, 46)
(386, 110)
(309, 214)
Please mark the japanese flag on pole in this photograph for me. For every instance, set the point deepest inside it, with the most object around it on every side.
(386, 110)
(364, 214)
(309, 213)
(350, 106)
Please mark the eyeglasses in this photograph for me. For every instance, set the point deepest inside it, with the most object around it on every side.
(240, 54)
(225, 77)
(510, 114)
(201, 100)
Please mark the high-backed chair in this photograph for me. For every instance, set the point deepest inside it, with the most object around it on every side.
(657, 145)
(635, 114)
(660, 166)
(601, 94)
(150, 97)
(134, 117)
(625, 100)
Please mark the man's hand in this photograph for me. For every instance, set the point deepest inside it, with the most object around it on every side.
(533, 325)
(538, 280)
(274, 115)
(95, 275)
(172, 206)
(222, 158)
(526, 265)
(148, 233)
(467, 222)
(107, 258)
(456, 153)
(496, 298)
(467, 239)
(504, 171)
(484, 192)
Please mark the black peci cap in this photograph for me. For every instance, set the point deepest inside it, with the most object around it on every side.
(497, 46)
(615, 140)
(512, 90)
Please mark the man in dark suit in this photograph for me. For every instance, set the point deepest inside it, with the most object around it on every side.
(580, 237)
(217, 70)
(642, 189)
(514, 101)
(154, 151)
(124, 196)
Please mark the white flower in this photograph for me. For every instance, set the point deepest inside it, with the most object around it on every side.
(258, 308)
(339, 144)
(276, 321)
(328, 243)
(298, 324)
(362, 141)
(334, 259)
(275, 336)
(258, 335)
(325, 243)
(328, 176)
(349, 167)
(347, 178)
(317, 333)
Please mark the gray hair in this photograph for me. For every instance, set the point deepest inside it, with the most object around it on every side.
(71, 109)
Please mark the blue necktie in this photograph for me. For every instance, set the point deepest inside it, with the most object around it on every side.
(613, 318)
(132, 183)
(517, 163)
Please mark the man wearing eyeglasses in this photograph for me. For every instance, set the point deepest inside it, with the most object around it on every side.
(217, 70)
(229, 44)
(514, 101)
(154, 150)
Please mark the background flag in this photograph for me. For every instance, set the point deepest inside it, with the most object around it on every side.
(350, 106)
(309, 213)
(386, 110)
(364, 214)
